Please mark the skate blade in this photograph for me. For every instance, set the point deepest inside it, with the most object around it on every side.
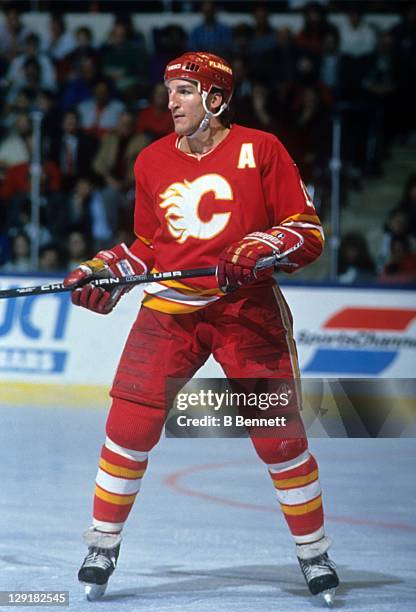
(328, 596)
(94, 591)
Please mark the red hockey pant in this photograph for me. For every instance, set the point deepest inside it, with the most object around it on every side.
(249, 333)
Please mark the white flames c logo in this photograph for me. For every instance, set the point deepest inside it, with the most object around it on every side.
(182, 201)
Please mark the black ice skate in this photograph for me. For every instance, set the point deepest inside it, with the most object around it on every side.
(319, 571)
(99, 563)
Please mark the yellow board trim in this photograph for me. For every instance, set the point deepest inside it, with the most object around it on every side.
(298, 481)
(112, 498)
(54, 395)
(302, 508)
(116, 470)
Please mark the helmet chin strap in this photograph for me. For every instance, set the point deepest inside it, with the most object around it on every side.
(207, 117)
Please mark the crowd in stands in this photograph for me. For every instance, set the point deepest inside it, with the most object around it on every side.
(101, 104)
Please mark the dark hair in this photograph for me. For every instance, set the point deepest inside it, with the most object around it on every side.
(364, 260)
(32, 61)
(408, 186)
(86, 30)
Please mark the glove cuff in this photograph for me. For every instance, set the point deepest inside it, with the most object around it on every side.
(282, 243)
(126, 262)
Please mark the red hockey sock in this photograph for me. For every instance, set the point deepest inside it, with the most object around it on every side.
(118, 481)
(299, 494)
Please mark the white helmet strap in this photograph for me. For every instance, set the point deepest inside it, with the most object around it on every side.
(208, 114)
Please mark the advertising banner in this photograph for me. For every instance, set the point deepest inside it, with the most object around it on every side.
(340, 332)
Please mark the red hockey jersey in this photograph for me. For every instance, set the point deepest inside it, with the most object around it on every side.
(189, 208)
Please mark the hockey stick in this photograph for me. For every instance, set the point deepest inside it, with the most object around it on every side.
(111, 283)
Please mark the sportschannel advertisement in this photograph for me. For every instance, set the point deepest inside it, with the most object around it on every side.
(340, 332)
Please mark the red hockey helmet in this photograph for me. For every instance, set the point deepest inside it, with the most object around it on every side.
(208, 70)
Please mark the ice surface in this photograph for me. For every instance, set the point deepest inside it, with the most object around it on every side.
(206, 533)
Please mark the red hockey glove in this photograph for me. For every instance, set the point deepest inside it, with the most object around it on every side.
(117, 262)
(239, 263)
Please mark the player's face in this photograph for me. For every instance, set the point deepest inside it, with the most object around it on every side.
(185, 104)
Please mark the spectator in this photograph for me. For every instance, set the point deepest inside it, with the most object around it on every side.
(211, 35)
(78, 204)
(117, 153)
(404, 35)
(114, 164)
(401, 265)
(404, 45)
(17, 72)
(168, 41)
(263, 39)
(21, 105)
(31, 83)
(156, 119)
(14, 148)
(124, 61)
(94, 213)
(72, 149)
(309, 134)
(100, 114)
(380, 84)
(16, 188)
(59, 42)
(355, 264)
(283, 59)
(315, 28)
(4, 244)
(396, 226)
(51, 258)
(407, 203)
(241, 37)
(13, 32)
(18, 178)
(78, 248)
(84, 47)
(80, 87)
(259, 109)
(243, 84)
(332, 65)
(20, 259)
(46, 102)
(357, 37)
(20, 214)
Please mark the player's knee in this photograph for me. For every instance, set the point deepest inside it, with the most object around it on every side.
(135, 426)
(274, 450)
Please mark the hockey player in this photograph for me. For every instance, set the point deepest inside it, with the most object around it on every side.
(209, 194)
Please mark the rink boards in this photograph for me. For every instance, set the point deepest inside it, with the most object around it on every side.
(50, 349)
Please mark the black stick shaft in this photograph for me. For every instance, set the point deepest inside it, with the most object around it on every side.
(108, 283)
(138, 279)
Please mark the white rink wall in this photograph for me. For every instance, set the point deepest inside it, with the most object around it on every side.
(340, 332)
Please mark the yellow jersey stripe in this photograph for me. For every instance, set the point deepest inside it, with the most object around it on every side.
(297, 481)
(146, 241)
(116, 470)
(113, 498)
(302, 217)
(302, 508)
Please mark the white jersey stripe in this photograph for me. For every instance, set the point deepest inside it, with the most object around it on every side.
(158, 290)
(107, 527)
(114, 484)
(275, 468)
(310, 537)
(133, 455)
(300, 495)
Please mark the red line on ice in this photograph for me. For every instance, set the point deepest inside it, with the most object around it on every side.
(173, 481)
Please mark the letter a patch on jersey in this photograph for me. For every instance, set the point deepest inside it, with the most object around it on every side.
(246, 159)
